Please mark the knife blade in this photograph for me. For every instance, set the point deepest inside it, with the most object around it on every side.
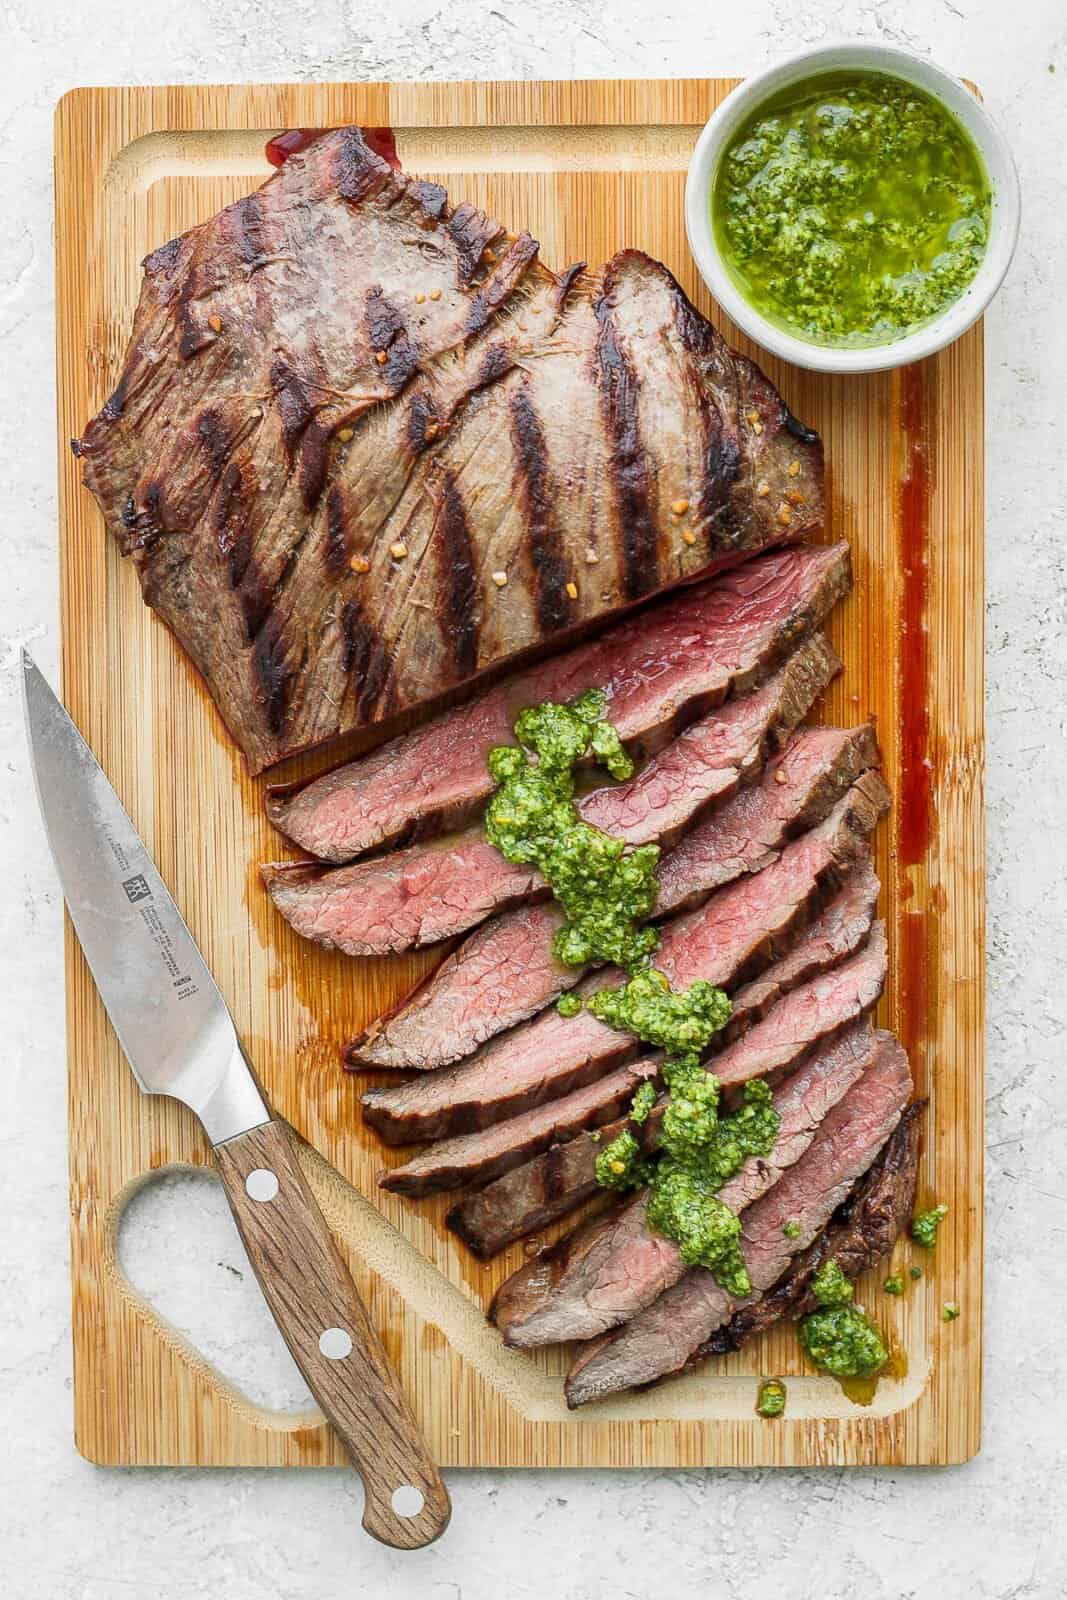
(179, 1038)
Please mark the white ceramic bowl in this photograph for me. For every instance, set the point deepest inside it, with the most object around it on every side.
(957, 317)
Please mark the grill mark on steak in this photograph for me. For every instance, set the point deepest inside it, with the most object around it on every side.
(721, 455)
(619, 388)
(336, 530)
(492, 294)
(366, 658)
(387, 333)
(663, 1337)
(546, 549)
(293, 398)
(472, 232)
(862, 1230)
(422, 417)
(234, 541)
(213, 435)
(314, 449)
(274, 673)
(358, 173)
(460, 577)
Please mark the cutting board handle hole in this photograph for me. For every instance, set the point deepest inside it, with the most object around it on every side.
(178, 1248)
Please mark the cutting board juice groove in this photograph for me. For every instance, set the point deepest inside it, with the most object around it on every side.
(588, 167)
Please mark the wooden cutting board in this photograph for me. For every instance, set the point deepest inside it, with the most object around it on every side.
(587, 167)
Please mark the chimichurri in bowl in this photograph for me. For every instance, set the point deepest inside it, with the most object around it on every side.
(852, 209)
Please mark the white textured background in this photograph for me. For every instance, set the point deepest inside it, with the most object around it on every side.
(992, 1529)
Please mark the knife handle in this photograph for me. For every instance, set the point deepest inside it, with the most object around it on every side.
(322, 1319)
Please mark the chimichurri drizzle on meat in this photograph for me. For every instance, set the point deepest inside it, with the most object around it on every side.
(607, 890)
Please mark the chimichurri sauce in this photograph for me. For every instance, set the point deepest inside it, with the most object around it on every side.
(851, 208)
(607, 890)
(838, 1337)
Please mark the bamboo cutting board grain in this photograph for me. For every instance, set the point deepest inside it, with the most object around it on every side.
(587, 167)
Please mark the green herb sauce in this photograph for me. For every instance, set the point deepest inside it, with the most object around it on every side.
(829, 1286)
(607, 890)
(894, 1286)
(851, 208)
(924, 1226)
(837, 1337)
(950, 1311)
(770, 1401)
(915, 1273)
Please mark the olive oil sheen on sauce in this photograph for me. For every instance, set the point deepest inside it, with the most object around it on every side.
(851, 208)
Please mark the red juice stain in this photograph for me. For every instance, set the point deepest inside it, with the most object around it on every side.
(381, 140)
(915, 809)
(916, 800)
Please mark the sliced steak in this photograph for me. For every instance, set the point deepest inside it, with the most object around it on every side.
(684, 657)
(440, 888)
(556, 1182)
(862, 1230)
(609, 1269)
(798, 789)
(552, 1055)
(506, 972)
(527, 1199)
(811, 1012)
(663, 1337)
(835, 933)
(477, 1157)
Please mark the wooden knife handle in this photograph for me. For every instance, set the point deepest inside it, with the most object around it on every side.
(325, 1324)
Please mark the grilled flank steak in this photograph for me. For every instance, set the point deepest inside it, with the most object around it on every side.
(669, 1332)
(432, 891)
(563, 1177)
(347, 405)
(506, 971)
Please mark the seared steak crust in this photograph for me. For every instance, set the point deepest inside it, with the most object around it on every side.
(341, 366)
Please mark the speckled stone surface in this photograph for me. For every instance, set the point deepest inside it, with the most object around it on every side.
(993, 1530)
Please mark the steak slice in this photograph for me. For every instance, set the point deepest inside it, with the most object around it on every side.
(663, 1337)
(434, 890)
(862, 1230)
(552, 1055)
(839, 929)
(477, 1157)
(798, 788)
(809, 1013)
(813, 1012)
(608, 1270)
(506, 971)
(686, 656)
(543, 1190)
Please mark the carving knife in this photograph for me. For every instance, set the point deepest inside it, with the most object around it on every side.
(180, 1040)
